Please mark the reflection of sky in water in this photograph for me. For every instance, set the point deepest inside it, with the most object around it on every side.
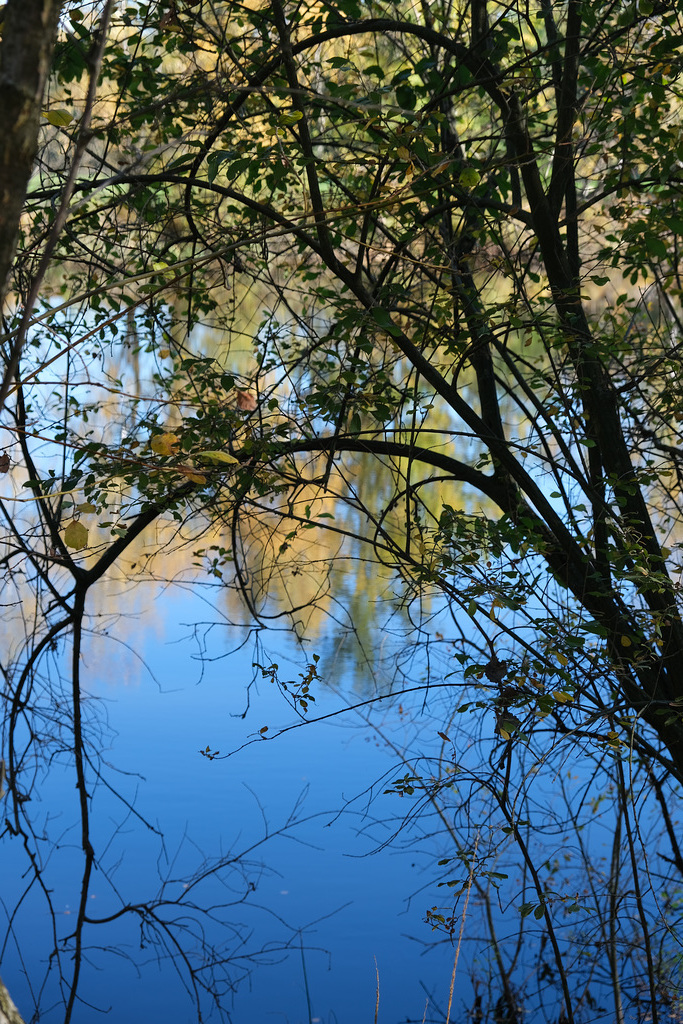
(321, 882)
(350, 905)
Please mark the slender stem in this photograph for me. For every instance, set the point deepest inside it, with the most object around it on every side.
(613, 910)
(309, 1008)
(470, 879)
(79, 758)
(625, 795)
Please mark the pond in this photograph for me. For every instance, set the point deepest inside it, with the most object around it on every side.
(285, 822)
(257, 859)
(313, 909)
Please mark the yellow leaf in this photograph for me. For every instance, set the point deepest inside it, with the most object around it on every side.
(196, 478)
(439, 167)
(561, 696)
(165, 444)
(86, 506)
(625, 642)
(402, 153)
(561, 658)
(224, 457)
(76, 535)
(59, 118)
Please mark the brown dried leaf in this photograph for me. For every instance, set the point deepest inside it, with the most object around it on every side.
(495, 670)
(246, 402)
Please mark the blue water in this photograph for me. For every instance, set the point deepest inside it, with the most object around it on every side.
(277, 857)
(306, 918)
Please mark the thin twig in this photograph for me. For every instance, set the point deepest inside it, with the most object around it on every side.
(306, 989)
(377, 990)
(462, 928)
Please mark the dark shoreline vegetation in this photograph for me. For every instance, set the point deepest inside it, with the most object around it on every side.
(366, 318)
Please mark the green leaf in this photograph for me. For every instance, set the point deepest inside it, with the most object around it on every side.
(596, 628)
(342, 63)
(286, 120)
(655, 246)
(469, 178)
(383, 320)
(215, 160)
(405, 97)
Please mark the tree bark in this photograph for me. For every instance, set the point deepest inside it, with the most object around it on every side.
(28, 38)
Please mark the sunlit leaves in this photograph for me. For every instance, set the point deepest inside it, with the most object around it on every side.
(221, 458)
(287, 120)
(165, 444)
(58, 118)
(469, 177)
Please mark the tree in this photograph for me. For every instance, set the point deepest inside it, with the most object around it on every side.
(459, 227)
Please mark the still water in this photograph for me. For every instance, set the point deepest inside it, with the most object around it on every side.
(312, 909)
(249, 862)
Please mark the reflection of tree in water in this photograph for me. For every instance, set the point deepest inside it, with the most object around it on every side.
(188, 918)
(336, 594)
(72, 628)
(424, 229)
(333, 562)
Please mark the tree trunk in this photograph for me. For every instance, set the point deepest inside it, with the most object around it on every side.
(28, 37)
